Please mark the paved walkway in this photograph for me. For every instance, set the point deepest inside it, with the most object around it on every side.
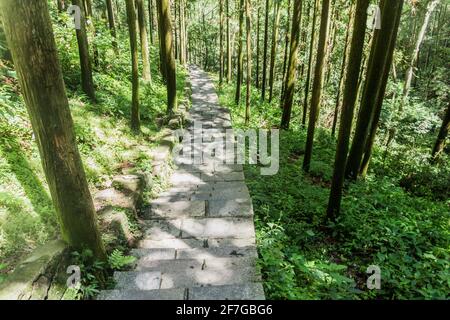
(199, 239)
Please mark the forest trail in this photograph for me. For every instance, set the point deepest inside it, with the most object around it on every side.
(199, 241)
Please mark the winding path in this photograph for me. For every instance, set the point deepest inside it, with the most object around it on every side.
(199, 239)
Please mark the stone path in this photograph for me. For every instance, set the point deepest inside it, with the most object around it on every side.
(199, 239)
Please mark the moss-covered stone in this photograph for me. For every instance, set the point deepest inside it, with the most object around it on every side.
(33, 276)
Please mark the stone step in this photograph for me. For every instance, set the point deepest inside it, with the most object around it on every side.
(217, 228)
(159, 294)
(176, 243)
(194, 253)
(184, 275)
(144, 264)
(245, 291)
(175, 209)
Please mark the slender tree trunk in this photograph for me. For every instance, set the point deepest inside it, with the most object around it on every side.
(258, 22)
(342, 76)
(350, 94)
(292, 65)
(91, 28)
(146, 73)
(229, 65)
(61, 5)
(131, 19)
(308, 74)
(443, 133)
(169, 54)
(87, 81)
(266, 41)
(286, 50)
(368, 147)
(112, 23)
(240, 71)
(221, 71)
(273, 51)
(183, 48)
(410, 73)
(378, 60)
(249, 59)
(43, 90)
(150, 21)
(318, 82)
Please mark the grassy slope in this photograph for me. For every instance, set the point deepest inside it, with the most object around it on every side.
(106, 143)
(381, 224)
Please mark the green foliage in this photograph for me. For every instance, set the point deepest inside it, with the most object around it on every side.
(398, 218)
(118, 261)
(103, 134)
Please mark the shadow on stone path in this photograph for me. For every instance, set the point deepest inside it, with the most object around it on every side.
(199, 239)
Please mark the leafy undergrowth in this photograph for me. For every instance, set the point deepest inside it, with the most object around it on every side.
(405, 233)
(104, 138)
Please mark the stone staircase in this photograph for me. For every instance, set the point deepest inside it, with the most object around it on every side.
(199, 241)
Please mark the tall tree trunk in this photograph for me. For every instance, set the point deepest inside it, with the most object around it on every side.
(342, 75)
(43, 90)
(169, 54)
(150, 21)
(308, 74)
(348, 106)
(443, 132)
(183, 45)
(229, 65)
(266, 41)
(87, 82)
(162, 52)
(273, 51)
(61, 5)
(286, 50)
(112, 23)
(316, 94)
(142, 19)
(249, 59)
(240, 67)
(378, 60)
(258, 22)
(221, 71)
(292, 65)
(91, 28)
(131, 19)
(368, 147)
(410, 73)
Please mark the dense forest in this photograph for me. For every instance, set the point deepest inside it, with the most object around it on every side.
(358, 89)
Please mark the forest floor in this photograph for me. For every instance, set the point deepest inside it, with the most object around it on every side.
(199, 238)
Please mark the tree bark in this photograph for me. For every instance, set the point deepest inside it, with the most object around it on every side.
(266, 41)
(348, 106)
(318, 82)
(273, 51)
(342, 76)
(292, 65)
(258, 22)
(286, 50)
(131, 19)
(40, 77)
(229, 65)
(142, 19)
(87, 81)
(368, 147)
(249, 59)
(308, 74)
(169, 54)
(240, 67)
(221, 71)
(443, 133)
(112, 23)
(378, 60)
